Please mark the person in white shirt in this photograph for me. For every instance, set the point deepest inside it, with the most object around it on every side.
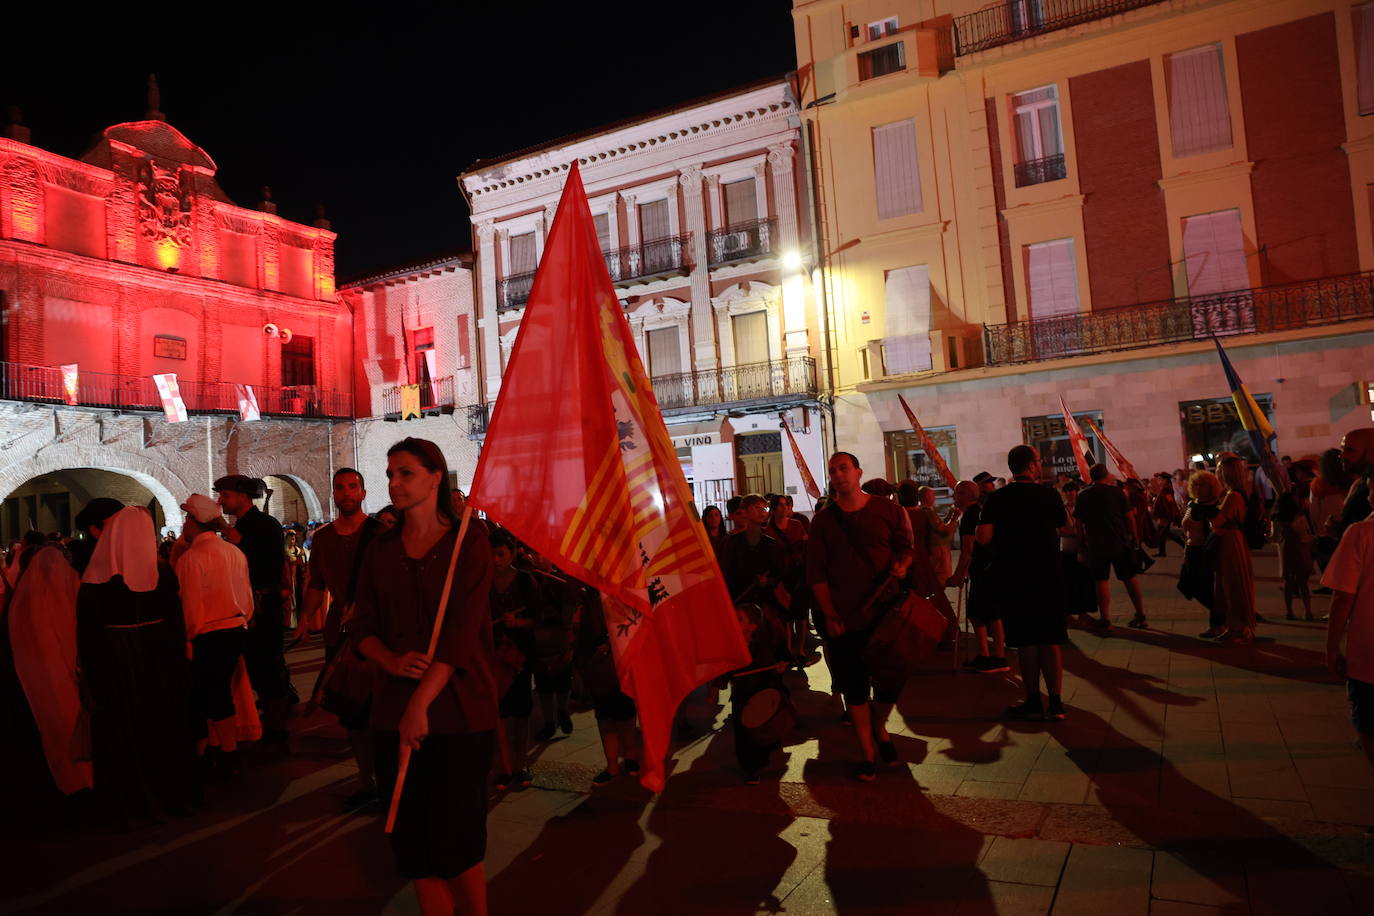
(1350, 576)
(217, 603)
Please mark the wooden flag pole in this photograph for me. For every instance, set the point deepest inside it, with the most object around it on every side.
(403, 763)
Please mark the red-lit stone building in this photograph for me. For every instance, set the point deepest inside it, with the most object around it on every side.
(131, 261)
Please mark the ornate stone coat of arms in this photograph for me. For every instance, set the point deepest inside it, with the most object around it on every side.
(164, 206)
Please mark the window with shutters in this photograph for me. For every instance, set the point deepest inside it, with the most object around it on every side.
(464, 343)
(1214, 251)
(1051, 279)
(665, 354)
(1199, 110)
(882, 28)
(298, 361)
(882, 61)
(751, 338)
(603, 230)
(522, 258)
(654, 230)
(896, 171)
(906, 346)
(1364, 56)
(1039, 139)
(741, 202)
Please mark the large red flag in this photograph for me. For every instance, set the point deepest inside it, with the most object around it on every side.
(1077, 440)
(578, 464)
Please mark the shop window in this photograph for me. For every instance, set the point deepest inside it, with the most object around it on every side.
(1212, 426)
(907, 457)
(1050, 438)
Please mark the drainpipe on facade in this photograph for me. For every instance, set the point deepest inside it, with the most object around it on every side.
(822, 261)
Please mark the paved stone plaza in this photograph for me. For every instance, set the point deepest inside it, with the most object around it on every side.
(1188, 779)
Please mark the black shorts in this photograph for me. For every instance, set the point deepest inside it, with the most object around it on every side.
(614, 707)
(441, 824)
(214, 656)
(982, 604)
(849, 673)
(1123, 562)
(1361, 705)
(1035, 627)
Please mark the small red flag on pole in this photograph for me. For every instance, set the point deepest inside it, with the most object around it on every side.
(1123, 467)
(1077, 440)
(578, 464)
(932, 452)
(808, 481)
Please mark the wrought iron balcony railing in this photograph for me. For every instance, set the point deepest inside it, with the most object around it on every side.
(1312, 303)
(433, 397)
(655, 258)
(1012, 21)
(790, 378)
(43, 385)
(1039, 171)
(514, 291)
(479, 416)
(742, 241)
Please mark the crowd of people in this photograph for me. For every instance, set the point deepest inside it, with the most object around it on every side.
(134, 667)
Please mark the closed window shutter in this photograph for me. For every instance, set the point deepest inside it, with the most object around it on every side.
(751, 338)
(464, 345)
(665, 356)
(896, 172)
(907, 303)
(522, 253)
(653, 220)
(603, 230)
(1364, 56)
(1199, 111)
(1214, 249)
(1052, 278)
(741, 203)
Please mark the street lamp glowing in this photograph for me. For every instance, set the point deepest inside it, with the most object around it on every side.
(792, 260)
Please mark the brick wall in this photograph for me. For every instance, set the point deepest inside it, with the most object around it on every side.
(1294, 127)
(1124, 223)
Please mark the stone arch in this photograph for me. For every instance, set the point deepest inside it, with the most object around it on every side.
(313, 507)
(169, 489)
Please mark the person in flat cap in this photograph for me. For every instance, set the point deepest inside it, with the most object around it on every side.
(91, 519)
(986, 484)
(263, 543)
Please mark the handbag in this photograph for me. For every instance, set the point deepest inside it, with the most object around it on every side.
(345, 686)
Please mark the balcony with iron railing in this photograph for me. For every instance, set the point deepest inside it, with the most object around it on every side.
(651, 260)
(773, 381)
(435, 398)
(742, 242)
(512, 292)
(1039, 171)
(479, 417)
(1007, 22)
(43, 385)
(1287, 307)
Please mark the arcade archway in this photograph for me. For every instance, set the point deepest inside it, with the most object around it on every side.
(50, 502)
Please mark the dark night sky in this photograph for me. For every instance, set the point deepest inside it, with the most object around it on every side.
(374, 109)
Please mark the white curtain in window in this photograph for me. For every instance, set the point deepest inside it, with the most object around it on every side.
(1214, 249)
(1037, 124)
(603, 230)
(522, 253)
(896, 172)
(1199, 111)
(751, 338)
(1052, 278)
(906, 345)
(653, 220)
(665, 356)
(1364, 56)
(741, 202)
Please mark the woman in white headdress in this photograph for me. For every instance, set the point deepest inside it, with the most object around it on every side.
(131, 647)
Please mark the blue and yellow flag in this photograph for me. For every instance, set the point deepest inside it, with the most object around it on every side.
(1255, 423)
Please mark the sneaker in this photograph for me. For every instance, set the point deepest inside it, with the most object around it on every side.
(522, 778)
(1138, 623)
(1026, 711)
(992, 664)
(503, 782)
(1212, 633)
(565, 723)
(603, 778)
(545, 733)
(866, 771)
(1055, 710)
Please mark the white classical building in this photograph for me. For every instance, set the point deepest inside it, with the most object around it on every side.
(703, 219)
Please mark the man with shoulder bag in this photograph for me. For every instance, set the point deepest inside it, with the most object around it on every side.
(344, 686)
(857, 545)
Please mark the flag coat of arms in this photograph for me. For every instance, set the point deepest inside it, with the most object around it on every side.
(1123, 467)
(71, 383)
(808, 482)
(173, 407)
(577, 463)
(248, 403)
(1077, 440)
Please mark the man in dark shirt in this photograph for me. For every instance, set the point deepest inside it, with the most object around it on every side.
(1108, 524)
(855, 544)
(1021, 521)
(975, 566)
(260, 537)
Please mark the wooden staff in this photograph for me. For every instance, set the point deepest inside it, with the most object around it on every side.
(404, 763)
